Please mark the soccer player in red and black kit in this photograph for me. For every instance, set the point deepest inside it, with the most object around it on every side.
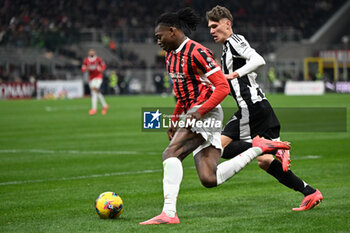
(255, 115)
(195, 73)
(95, 65)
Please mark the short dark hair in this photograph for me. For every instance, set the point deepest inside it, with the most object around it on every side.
(219, 12)
(185, 19)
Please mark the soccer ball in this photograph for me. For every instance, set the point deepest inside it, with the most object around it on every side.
(109, 205)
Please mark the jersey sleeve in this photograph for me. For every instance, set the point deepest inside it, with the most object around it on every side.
(221, 90)
(102, 65)
(242, 47)
(84, 65)
(204, 60)
(177, 112)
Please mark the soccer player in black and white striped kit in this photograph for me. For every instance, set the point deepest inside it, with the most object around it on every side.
(255, 115)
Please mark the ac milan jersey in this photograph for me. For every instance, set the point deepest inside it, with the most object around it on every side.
(95, 66)
(189, 66)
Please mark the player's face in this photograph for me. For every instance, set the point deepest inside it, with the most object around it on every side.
(92, 53)
(165, 37)
(220, 30)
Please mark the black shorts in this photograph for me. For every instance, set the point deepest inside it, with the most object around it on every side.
(257, 119)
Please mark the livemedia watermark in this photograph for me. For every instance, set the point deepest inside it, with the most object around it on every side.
(293, 119)
(161, 119)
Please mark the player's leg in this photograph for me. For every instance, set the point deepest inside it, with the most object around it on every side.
(266, 161)
(260, 119)
(206, 162)
(207, 156)
(211, 174)
(312, 197)
(98, 83)
(274, 167)
(225, 141)
(239, 127)
(234, 148)
(289, 179)
(93, 92)
(247, 124)
(103, 102)
(182, 144)
(283, 174)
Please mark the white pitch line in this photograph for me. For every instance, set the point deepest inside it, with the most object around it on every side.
(81, 177)
(67, 151)
(305, 157)
(117, 174)
(51, 109)
(295, 157)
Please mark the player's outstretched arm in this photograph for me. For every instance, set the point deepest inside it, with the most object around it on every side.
(253, 59)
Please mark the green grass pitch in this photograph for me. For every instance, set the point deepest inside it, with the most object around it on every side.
(55, 160)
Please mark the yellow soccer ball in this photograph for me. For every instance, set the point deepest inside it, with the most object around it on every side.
(109, 205)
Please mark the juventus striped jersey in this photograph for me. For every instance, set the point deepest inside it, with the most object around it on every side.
(194, 72)
(240, 57)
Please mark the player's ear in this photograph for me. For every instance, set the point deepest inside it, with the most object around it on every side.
(172, 30)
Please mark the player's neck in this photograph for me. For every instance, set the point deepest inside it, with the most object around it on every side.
(181, 40)
(180, 43)
(91, 58)
(228, 34)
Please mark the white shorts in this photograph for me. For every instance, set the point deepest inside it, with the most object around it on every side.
(95, 83)
(210, 129)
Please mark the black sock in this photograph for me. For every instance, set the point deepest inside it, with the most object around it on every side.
(288, 178)
(235, 148)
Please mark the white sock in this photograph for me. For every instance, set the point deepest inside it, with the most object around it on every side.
(102, 100)
(93, 100)
(171, 184)
(227, 169)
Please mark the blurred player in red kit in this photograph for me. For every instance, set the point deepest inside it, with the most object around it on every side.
(95, 65)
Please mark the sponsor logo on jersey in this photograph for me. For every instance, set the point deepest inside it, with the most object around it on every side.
(177, 77)
(243, 44)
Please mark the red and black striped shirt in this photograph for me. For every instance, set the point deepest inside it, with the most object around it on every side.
(191, 68)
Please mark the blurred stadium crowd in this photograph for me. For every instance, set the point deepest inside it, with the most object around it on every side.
(56, 22)
(56, 26)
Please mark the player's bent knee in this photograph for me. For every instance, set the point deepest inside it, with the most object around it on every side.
(209, 182)
(170, 151)
(265, 161)
(166, 154)
(263, 165)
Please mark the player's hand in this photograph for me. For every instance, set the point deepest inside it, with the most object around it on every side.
(171, 131)
(99, 68)
(232, 76)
